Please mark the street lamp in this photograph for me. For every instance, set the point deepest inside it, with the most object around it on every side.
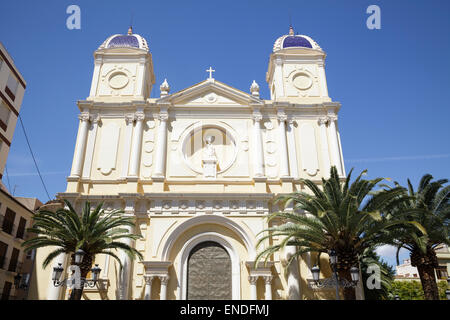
(79, 254)
(335, 281)
(354, 272)
(333, 257)
(315, 273)
(58, 270)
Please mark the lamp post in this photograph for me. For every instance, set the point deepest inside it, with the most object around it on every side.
(335, 281)
(78, 259)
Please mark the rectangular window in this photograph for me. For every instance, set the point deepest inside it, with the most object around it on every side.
(13, 262)
(3, 249)
(8, 221)
(4, 115)
(11, 86)
(21, 228)
(6, 290)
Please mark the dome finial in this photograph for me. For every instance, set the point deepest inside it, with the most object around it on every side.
(130, 30)
(291, 30)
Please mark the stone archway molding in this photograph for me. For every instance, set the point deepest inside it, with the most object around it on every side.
(208, 219)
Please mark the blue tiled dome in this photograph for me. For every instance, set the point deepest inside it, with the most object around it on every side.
(293, 40)
(130, 40)
(124, 41)
(296, 41)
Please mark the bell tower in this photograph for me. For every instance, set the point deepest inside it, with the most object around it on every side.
(296, 70)
(123, 69)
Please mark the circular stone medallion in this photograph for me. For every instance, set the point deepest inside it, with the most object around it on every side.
(302, 81)
(118, 80)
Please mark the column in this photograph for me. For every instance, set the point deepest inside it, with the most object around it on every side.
(268, 282)
(125, 273)
(324, 146)
(284, 160)
(164, 280)
(148, 287)
(293, 275)
(252, 280)
(160, 165)
(292, 148)
(78, 158)
(335, 152)
(137, 144)
(129, 120)
(258, 154)
(54, 293)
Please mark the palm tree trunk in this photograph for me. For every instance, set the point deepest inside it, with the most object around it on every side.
(425, 264)
(349, 293)
(428, 280)
(85, 267)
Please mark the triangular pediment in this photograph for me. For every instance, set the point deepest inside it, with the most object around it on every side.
(210, 93)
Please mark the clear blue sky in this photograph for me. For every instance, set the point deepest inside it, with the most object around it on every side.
(393, 83)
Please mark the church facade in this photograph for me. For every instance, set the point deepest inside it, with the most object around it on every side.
(199, 170)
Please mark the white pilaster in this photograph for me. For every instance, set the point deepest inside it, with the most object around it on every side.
(268, 283)
(278, 79)
(258, 151)
(137, 144)
(78, 158)
(253, 280)
(140, 79)
(160, 165)
(323, 80)
(129, 119)
(148, 287)
(292, 148)
(335, 152)
(284, 160)
(90, 147)
(163, 294)
(324, 146)
(95, 77)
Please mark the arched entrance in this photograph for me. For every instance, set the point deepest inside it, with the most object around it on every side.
(209, 272)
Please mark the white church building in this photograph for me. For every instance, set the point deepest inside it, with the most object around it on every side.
(198, 170)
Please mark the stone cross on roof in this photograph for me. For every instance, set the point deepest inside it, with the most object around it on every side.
(210, 70)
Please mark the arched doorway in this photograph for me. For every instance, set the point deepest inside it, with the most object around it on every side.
(209, 275)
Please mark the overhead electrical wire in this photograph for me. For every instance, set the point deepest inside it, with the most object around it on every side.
(34, 159)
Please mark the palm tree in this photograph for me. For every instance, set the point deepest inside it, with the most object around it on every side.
(94, 232)
(429, 206)
(369, 258)
(341, 217)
